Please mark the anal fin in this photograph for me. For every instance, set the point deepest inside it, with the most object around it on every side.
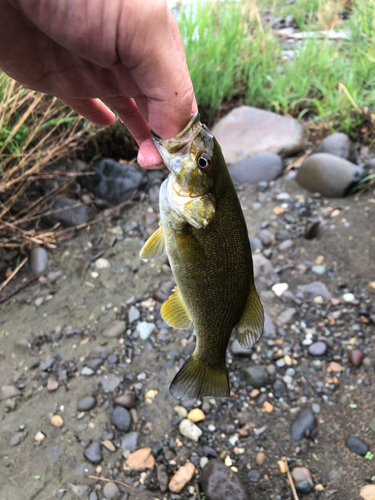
(250, 327)
(174, 311)
(154, 246)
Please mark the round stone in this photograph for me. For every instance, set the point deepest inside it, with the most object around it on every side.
(356, 357)
(110, 490)
(302, 425)
(318, 348)
(121, 419)
(357, 445)
(94, 452)
(86, 403)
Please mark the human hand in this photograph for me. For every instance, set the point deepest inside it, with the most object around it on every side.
(126, 55)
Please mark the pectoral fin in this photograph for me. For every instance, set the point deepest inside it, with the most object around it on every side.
(174, 311)
(154, 246)
(250, 327)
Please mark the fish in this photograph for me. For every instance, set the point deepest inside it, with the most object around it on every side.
(203, 232)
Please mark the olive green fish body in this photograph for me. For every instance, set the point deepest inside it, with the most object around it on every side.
(204, 234)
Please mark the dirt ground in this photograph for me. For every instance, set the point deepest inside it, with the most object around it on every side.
(82, 304)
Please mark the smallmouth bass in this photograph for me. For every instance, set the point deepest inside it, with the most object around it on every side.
(203, 232)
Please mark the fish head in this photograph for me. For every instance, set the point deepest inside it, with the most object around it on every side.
(189, 158)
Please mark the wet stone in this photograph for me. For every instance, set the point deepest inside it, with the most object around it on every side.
(357, 446)
(219, 482)
(121, 418)
(86, 403)
(302, 425)
(94, 452)
(94, 363)
(318, 348)
(257, 376)
(304, 487)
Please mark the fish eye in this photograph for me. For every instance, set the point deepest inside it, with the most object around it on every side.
(204, 162)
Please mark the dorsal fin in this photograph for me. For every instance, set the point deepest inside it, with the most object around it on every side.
(174, 311)
(250, 327)
(154, 246)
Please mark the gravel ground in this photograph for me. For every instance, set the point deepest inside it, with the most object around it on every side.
(86, 362)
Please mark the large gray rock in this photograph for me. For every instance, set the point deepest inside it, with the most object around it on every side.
(338, 144)
(69, 213)
(257, 168)
(246, 131)
(328, 175)
(219, 482)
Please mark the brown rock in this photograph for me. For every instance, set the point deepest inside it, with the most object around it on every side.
(335, 367)
(196, 415)
(368, 492)
(127, 401)
(356, 357)
(114, 329)
(219, 482)
(52, 385)
(140, 459)
(162, 477)
(9, 391)
(300, 474)
(57, 421)
(261, 458)
(109, 445)
(181, 477)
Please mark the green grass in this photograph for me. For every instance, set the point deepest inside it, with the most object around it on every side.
(232, 54)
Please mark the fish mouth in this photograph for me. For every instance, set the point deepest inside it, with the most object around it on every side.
(182, 140)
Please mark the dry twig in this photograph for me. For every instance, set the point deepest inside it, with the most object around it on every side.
(290, 479)
(111, 481)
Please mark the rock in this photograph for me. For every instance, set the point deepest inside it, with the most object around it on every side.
(318, 348)
(280, 288)
(71, 213)
(144, 329)
(127, 401)
(285, 245)
(357, 445)
(269, 327)
(328, 175)
(121, 419)
(57, 421)
(87, 372)
(133, 314)
(46, 365)
(312, 230)
(140, 459)
(262, 266)
(237, 349)
(109, 445)
(110, 490)
(112, 181)
(84, 469)
(115, 329)
(279, 388)
(300, 474)
(257, 376)
(253, 476)
(196, 415)
(356, 357)
(162, 476)
(181, 477)
(94, 452)
(304, 487)
(368, 492)
(86, 403)
(261, 458)
(318, 269)
(79, 490)
(94, 363)
(302, 425)
(257, 168)
(102, 264)
(338, 144)
(129, 441)
(219, 482)
(246, 131)
(9, 391)
(52, 385)
(348, 297)
(189, 429)
(266, 237)
(39, 260)
(315, 289)
(110, 382)
(164, 290)
(18, 438)
(287, 315)
(255, 243)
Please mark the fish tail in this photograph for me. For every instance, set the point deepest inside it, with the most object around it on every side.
(195, 379)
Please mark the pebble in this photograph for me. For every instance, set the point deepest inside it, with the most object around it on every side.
(9, 391)
(57, 421)
(140, 459)
(357, 445)
(285, 245)
(279, 388)
(39, 301)
(115, 329)
(109, 445)
(262, 266)
(189, 429)
(110, 382)
(196, 415)
(39, 260)
(261, 458)
(315, 289)
(318, 269)
(237, 349)
(133, 314)
(163, 478)
(287, 315)
(257, 376)
(127, 401)
(144, 329)
(368, 492)
(86, 403)
(300, 474)
(87, 372)
(94, 452)
(219, 482)
(318, 348)
(181, 477)
(164, 290)
(356, 357)
(129, 441)
(121, 418)
(52, 385)
(304, 487)
(280, 288)
(301, 426)
(110, 490)
(102, 264)
(266, 237)
(348, 297)
(18, 438)
(315, 408)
